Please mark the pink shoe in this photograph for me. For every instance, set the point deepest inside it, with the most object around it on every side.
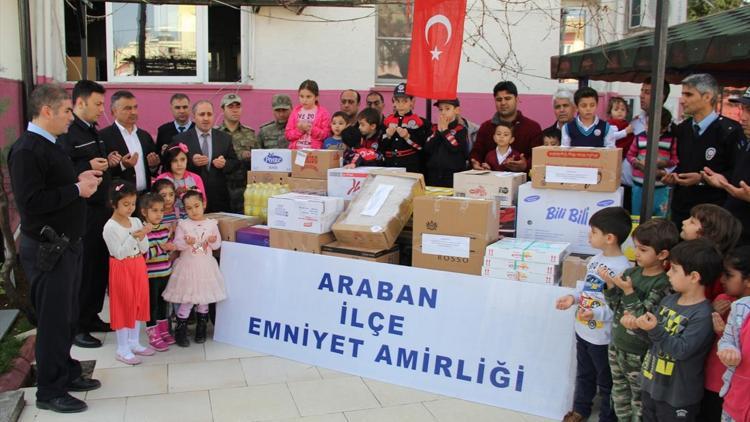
(134, 360)
(144, 351)
(155, 340)
(163, 329)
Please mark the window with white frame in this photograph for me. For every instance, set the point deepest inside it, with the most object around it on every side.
(572, 30)
(393, 42)
(635, 13)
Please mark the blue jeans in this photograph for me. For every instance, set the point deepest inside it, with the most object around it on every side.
(661, 200)
(592, 371)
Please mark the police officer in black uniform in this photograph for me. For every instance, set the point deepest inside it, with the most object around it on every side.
(49, 195)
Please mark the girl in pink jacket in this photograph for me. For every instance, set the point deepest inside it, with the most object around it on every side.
(309, 123)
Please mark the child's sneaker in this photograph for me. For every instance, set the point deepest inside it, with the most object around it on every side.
(143, 351)
(130, 359)
(155, 340)
(573, 416)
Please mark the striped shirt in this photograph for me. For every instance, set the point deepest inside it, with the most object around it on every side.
(157, 259)
(173, 217)
(667, 154)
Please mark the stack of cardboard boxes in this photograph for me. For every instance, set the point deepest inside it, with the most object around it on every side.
(500, 186)
(310, 170)
(525, 260)
(270, 166)
(302, 222)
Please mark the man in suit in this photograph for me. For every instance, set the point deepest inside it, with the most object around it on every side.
(210, 155)
(136, 148)
(179, 104)
(87, 151)
(49, 193)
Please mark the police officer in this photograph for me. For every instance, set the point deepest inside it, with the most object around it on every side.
(87, 151)
(49, 194)
(243, 141)
(271, 134)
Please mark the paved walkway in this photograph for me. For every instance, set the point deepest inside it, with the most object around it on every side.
(221, 383)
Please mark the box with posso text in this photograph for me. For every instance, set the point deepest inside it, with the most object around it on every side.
(271, 160)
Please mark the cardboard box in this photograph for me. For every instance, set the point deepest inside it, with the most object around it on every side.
(581, 169)
(502, 186)
(254, 235)
(377, 215)
(520, 275)
(550, 253)
(304, 213)
(573, 270)
(346, 183)
(388, 256)
(309, 186)
(561, 216)
(229, 223)
(271, 160)
(450, 233)
(299, 241)
(545, 269)
(314, 163)
(268, 177)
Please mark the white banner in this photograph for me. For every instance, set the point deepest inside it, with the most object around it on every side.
(486, 340)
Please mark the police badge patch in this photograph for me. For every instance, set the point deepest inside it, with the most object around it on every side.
(710, 153)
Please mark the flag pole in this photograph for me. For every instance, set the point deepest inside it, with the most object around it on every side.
(428, 111)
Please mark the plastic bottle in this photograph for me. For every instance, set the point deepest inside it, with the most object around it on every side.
(248, 198)
(255, 200)
(265, 194)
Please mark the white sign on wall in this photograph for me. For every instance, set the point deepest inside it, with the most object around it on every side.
(486, 340)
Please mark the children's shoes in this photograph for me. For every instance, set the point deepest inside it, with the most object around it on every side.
(163, 329)
(143, 351)
(155, 340)
(129, 359)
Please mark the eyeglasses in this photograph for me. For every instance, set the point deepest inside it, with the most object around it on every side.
(345, 101)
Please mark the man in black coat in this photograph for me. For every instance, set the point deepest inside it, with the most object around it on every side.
(139, 160)
(179, 105)
(87, 151)
(49, 194)
(210, 155)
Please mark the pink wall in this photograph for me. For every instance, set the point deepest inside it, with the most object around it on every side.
(153, 101)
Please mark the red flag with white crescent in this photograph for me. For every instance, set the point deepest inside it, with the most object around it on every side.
(436, 41)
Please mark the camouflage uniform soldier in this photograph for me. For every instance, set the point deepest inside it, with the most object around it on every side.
(271, 134)
(243, 140)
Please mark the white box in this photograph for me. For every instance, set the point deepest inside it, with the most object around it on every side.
(271, 160)
(303, 213)
(525, 266)
(561, 216)
(502, 186)
(539, 251)
(346, 183)
(519, 275)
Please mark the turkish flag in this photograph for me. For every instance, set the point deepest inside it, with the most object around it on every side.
(436, 41)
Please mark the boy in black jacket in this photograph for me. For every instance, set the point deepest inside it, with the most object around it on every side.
(368, 151)
(405, 133)
(446, 147)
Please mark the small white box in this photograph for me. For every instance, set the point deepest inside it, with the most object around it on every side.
(525, 266)
(303, 213)
(271, 160)
(346, 183)
(561, 216)
(502, 186)
(519, 275)
(550, 253)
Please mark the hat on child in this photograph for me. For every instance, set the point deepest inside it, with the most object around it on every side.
(454, 102)
(744, 99)
(400, 91)
(229, 99)
(281, 101)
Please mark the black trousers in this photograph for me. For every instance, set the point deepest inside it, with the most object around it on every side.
(54, 298)
(711, 407)
(95, 272)
(660, 411)
(592, 372)
(157, 304)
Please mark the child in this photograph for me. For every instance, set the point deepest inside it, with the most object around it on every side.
(636, 156)
(159, 267)
(734, 346)
(586, 130)
(617, 111)
(195, 279)
(496, 159)
(126, 241)
(551, 137)
(338, 124)
(177, 173)
(609, 229)
(405, 133)
(680, 333)
(717, 225)
(736, 282)
(165, 188)
(637, 291)
(309, 123)
(446, 146)
(368, 151)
